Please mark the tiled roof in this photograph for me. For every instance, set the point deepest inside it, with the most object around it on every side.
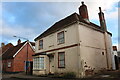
(11, 51)
(32, 43)
(5, 48)
(65, 22)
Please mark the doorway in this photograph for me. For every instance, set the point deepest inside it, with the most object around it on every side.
(51, 63)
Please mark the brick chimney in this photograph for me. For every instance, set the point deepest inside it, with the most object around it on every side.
(102, 20)
(19, 41)
(84, 12)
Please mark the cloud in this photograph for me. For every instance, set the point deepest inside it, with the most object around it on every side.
(28, 19)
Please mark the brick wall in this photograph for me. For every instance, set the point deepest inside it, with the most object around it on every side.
(21, 57)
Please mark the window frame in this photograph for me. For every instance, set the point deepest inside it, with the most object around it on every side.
(9, 64)
(61, 60)
(40, 44)
(36, 63)
(58, 39)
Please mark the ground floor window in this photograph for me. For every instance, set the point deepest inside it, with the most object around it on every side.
(38, 63)
(9, 64)
(61, 59)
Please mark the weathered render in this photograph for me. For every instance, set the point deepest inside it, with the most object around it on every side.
(87, 47)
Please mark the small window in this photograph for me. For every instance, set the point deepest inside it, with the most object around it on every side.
(41, 44)
(61, 59)
(102, 53)
(9, 64)
(60, 37)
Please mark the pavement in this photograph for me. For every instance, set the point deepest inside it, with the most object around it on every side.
(109, 75)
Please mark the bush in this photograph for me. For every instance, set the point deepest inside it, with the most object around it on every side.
(69, 75)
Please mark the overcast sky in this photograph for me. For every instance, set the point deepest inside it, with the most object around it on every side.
(30, 19)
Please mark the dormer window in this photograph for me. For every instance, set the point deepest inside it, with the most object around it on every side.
(41, 44)
(60, 37)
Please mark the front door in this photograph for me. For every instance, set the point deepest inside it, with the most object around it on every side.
(51, 61)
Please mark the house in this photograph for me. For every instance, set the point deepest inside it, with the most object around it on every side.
(16, 58)
(74, 44)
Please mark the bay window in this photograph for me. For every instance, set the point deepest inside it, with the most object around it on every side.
(38, 63)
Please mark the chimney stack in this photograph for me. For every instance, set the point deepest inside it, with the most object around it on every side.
(84, 12)
(2, 44)
(102, 20)
(19, 41)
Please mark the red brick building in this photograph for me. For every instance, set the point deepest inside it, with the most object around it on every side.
(15, 58)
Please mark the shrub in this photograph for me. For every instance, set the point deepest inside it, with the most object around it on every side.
(69, 75)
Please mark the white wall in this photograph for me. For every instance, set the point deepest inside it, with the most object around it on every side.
(51, 40)
(92, 45)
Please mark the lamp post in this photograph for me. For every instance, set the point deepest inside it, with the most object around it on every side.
(26, 62)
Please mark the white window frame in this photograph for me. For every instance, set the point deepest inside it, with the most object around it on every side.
(37, 63)
(61, 60)
(9, 64)
(60, 39)
(40, 44)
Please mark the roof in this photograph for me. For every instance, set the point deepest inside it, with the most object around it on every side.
(13, 50)
(73, 18)
(5, 48)
(32, 43)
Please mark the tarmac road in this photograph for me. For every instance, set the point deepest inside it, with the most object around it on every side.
(60, 79)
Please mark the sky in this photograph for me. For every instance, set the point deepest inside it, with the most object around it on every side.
(29, 19)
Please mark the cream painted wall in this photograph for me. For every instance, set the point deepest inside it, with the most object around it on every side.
(50, 42)
(92, 45)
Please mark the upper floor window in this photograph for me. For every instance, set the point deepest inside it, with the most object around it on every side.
(61, 59)
(60, 37)
(41, 44)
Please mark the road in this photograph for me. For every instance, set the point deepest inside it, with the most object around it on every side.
(61, 79)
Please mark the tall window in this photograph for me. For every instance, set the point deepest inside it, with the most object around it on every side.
(60, 37)
(61, 59)
(38, 63)
(41, 44)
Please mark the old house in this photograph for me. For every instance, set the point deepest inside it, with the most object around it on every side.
(16, 57)
(74, 44)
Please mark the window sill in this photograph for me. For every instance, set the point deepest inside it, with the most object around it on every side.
(60, 43)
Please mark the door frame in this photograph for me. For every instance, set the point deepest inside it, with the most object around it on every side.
(51, 56)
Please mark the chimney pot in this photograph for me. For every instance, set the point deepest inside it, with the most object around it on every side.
(100, 9)
(19, 41)
(82, 2)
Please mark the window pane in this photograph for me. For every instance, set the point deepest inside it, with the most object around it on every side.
(61, 59)
(41, 64)
(41, 44)
(61, 37)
